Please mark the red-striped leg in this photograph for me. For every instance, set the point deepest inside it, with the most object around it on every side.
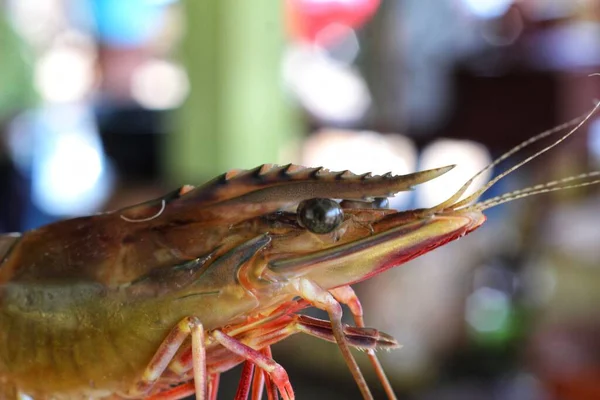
(276, 371)
(189, 326)
(258, 382)
(213, 386)
(178, 392)
(245, 381)
(271, 387)
(347, 296)
(324, 300)
(272, 393)
(271, 329)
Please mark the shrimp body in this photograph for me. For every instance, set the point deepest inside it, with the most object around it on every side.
(87, 302)
(159, 298)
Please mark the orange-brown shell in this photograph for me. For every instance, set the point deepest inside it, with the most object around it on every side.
(119, 247)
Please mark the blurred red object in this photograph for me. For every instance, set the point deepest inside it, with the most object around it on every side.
(307, 18)
(567, 359)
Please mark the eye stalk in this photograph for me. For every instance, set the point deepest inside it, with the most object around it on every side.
(376, 203)
(320, 215)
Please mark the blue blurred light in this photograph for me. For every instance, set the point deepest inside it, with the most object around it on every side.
(69, 170)
(60, 150)
(488, 8)
(127, 23)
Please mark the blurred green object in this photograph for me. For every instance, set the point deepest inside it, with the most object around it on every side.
(16, 73)
(237, 114)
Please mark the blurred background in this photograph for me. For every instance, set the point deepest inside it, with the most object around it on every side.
(104, 103)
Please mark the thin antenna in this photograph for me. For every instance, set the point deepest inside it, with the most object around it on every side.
(536, 187)
(552, 186)
(452, 201)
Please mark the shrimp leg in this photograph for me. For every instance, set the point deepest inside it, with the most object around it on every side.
(346, 295)
(189, 326)
(270, 385)
(187, 389)
(213, 386)
(324, 300)
(258, 382)
(183, 359)
(246, 380)
(275, 371)
(274, 330)
(178, 392)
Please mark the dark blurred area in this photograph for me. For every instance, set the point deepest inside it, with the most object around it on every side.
(105, 103)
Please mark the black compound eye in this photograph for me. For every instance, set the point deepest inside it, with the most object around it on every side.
(381, 202)
(320, 215)
(355, 204)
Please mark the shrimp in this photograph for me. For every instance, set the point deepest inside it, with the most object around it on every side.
(158, 299)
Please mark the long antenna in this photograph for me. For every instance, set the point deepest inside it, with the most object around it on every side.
(552, 186)
(453, 200)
